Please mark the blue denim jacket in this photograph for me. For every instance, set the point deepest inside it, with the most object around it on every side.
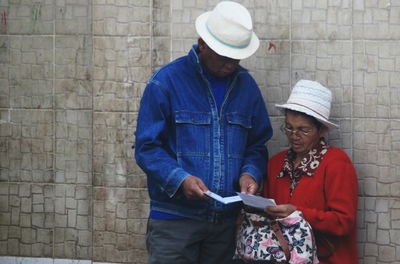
(180, 132)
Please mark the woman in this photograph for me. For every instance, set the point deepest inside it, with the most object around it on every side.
(317, 179)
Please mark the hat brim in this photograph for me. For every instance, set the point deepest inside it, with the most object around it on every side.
(221, 48)
(309, 112)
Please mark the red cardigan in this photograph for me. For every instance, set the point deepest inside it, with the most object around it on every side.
(328, 201)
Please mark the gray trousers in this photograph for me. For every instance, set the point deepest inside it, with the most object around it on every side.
(186, 241)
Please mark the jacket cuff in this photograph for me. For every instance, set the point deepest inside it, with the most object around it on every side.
(174, 181)
(253, 171)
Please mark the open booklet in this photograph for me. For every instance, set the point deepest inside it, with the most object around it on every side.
(248, 199)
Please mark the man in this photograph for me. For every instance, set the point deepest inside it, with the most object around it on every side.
(202, 126)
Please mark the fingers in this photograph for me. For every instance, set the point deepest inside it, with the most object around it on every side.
(280, 211)
(202, 186)
(194, 188)
(251, 188)
(273, 211)
(248, 184)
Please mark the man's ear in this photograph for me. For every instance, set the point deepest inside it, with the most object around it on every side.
(202, 44)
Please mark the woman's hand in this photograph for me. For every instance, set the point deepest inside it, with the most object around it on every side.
(280, 211)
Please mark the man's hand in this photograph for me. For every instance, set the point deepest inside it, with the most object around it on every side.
(194, 188)
(280, 211)
(248, 184)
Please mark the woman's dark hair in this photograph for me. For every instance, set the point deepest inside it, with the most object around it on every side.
(313, 120)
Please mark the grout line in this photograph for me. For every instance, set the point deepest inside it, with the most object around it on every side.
(91, 71)
(151, 29)
(170, 31)
(54, 119)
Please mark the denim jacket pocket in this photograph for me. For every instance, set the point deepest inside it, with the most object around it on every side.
(238, 128)
(193, 133)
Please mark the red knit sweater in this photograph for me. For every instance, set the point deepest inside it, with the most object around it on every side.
(328, 201)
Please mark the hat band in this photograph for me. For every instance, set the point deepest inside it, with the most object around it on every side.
(223, 42)
(310, 109)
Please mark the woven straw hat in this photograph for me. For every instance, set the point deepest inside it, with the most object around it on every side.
(311, 98)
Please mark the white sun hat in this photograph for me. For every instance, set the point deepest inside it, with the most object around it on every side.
(310, 98)
(228, 30)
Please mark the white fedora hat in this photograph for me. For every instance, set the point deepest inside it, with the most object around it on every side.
(311, 98)
(228, 30)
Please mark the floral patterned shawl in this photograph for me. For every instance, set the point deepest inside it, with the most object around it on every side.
(307, 165)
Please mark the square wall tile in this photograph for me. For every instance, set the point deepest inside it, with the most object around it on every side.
(26, 220)
(328, 63)
(161, 52)
(321, 20)
(120, 219)
(376, 80)
(161, 18)
(275, 14)
(73, 147)
(380, 228)
(4, 12)
(28, 17)
(73, 17)
(279, 141)
(375, 156)
(376, 20)
(121, 18)
(27, 149)
(181, 47)
(30, 72)
(114, 164)
(73, 72)
(73, 222)
(4, 63)
(342, 137)
(121, 70)
(270, 67)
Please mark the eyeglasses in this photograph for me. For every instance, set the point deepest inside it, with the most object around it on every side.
(297, 132)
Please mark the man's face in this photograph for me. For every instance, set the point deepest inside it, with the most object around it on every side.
(217, 65)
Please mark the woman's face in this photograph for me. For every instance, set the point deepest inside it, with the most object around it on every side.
(302, 133)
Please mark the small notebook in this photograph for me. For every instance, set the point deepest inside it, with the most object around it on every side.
(224, 200)
(248, 199)
(256, 201)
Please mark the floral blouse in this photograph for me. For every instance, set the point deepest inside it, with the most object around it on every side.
(307, 165)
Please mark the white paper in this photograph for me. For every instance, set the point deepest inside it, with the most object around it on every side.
(224, 200)
(256, 201)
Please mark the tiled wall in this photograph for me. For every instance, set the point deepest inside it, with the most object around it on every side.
(71, 76)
